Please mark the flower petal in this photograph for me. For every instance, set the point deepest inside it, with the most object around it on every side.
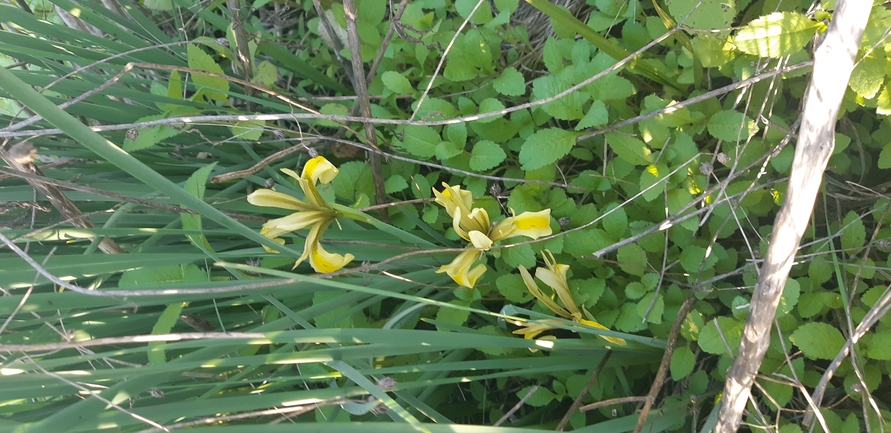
(312, 194)
(297, 221)
(531, 330)
(453, 197)
(269, 198)
(319, 169)
(325, 262)
(312, 241)
(593, 324)
(272, 233)
(479, 240)
(555, 277)
(460, 268)
(533, 224)
(536, 291)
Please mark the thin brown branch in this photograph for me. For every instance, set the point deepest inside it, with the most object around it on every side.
(516, 406)
(361, 88)
(578, 399)
(656, 387)
(612, 401)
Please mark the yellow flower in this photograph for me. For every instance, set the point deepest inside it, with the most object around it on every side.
(474, 226)
(554, 276)
(317, 214)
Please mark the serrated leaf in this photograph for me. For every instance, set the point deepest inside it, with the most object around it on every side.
(632, 259)
(789, 299)
(421, 140)
(567, 107)
(265, 74)
(250, 130)
(546, 146)
(457, 133)
(776, 35)
(486, 155)
(212, 87)
(453, 316)
(353, 180)
(885, 156)
(653, 180)
(868, 75)
(635, 290)
(396, 82)
(730, 125)
(628, 319)
(510, 82)
(818, 340)
(615, 222)
(628, 148)
(854, 234)
(490, 105)
(448, 149)
(880, 346)
(710, 340)
(149, 136)
(693, 259)
(682, 362)
(513, 289)
(519, 255)
(395, 183)
(656, 311)
(708, 15)
(482, 15)
(165, 323)
(597, 115)
(541, 397)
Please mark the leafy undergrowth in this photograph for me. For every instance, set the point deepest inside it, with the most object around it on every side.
(442, 299)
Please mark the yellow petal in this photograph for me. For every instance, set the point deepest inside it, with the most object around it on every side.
(479, 240)
(531, 330)
(312, 194)
(536, 291)
(533, 224)
(272, 234)
(593, 324)
(269, 198)
(325, 262)
(312, 241)
(555, 277)
(319, 169)
(297, 221)
(460, 268)
(453, 197)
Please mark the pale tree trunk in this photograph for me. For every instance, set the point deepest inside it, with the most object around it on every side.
(833, 61)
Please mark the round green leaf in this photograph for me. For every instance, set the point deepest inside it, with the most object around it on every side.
(510, 83)
(421, 140)
(490, 105)
(818, 340)
(682, 362)
(485, 155)
(729, 125)
(396, 82)
(776, 35)
(545, 147)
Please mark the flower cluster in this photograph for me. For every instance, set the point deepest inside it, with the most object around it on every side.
(554, 276)
(314, 213)
(473, 225)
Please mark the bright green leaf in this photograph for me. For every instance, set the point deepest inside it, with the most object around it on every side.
(490, 105)
(632, 259)
(510, 82)
(395, 184)
(546, 146)
(486, 155)
(730, 125)
(420, 140)
(818, 340)
(212, 87)
(597, 115)
(776, 35)
(853, 235)
(540, 397)
(629, 148)
(682, 362)
(710, 338)
(396, 82)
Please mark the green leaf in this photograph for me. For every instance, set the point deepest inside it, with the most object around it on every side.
(649, 178)
(196, 185)
(868, 75)
(597, 115)
(353, 180)
(453, 316)
(420, 140)
(880, 346)
(158, 5)
(632, 259)
(486, 155)
(212, 87)
(693, 259)
(710, 340)
(658, 308)
(710, 50)
(818, 340)
(682, 362)
(395, 184)
(513, 289)
(448, 149)
(628, 148)
(776, 35)
(265, 74)
(519, 255)
(490, 105)
(510, 82)
(853, 235)
(615, 222)
(730, 125)
(541, 397)
(249, 130)
(568, 107)
(396, 82)
(708, 14)
(629, 320)
(789, 299)
(885, 156)
(457, 133)
(483, 13)
(546, 146)
(635, 290)
(164, 325)
(149, 136)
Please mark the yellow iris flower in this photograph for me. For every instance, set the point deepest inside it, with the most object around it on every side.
(473, 225)
(314, 213)
(554, 276)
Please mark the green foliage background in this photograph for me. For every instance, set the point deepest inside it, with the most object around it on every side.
(661, 153)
